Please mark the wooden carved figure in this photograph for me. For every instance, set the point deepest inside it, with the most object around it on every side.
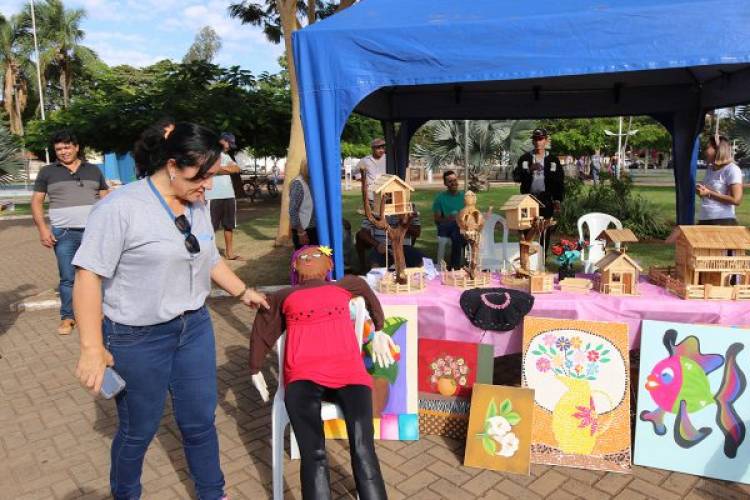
(471, 221)
(394, 234)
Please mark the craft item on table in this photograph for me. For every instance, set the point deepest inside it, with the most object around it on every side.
(711, 262)
(580, 373)
(522, 214)
(567, 253)
(392, 199)
(618, 272)
(318, 361)
(693, 406)
(470, 222)
(500, 428)
(447, 372)
(576, 285)
(499, 309)
(430, 271)
(541, 282)
(394, 388)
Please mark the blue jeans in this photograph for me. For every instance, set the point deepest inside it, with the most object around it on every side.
(450, 230)
(178, 357)
(68, 241)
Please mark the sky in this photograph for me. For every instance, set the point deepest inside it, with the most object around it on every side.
(141, 32)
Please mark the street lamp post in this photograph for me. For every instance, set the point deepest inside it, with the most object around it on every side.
(620, 152)
(38, 72)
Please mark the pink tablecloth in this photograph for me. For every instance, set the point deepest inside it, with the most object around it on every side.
(441, 316)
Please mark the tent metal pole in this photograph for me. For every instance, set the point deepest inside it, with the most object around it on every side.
(466, 155)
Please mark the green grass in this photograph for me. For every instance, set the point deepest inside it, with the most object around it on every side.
(21, 209)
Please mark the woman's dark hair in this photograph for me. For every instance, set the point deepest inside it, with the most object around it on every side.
(189, 145)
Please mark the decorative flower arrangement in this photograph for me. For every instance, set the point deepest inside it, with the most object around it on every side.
(570, 357)
(497, 438)
(449, 373)
(567, 253)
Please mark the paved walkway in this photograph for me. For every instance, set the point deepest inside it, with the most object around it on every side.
(54, 437)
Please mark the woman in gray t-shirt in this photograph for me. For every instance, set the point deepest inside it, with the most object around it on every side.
(146, 264)
(721, 190)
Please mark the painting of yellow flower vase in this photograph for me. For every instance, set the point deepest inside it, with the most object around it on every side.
(580, 373)
(499, 434)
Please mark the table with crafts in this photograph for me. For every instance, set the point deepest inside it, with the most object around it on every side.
(441, 316)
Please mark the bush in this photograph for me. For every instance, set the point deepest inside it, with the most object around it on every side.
(614, 197)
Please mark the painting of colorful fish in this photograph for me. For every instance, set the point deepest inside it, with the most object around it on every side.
(689, 392)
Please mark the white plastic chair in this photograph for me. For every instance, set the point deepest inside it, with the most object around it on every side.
(280, 418)
(596, 222)
(493, 255)
(498, 256)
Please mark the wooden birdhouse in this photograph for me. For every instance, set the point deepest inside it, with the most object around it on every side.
(521, 210)
(712, 261)
(619, 274)
(394, 194)
(618, 237)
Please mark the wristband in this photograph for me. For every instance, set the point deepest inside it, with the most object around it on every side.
(239, 295)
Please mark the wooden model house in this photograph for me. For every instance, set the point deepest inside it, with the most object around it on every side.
(521, 210)
(618, 238)
(711, 262)
(619, 274)
(394, 193)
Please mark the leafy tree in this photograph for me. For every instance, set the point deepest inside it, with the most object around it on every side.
(11, 162)
(279, 19)
(122, 101)
(489, 141)
(60, 35)
(15, 68)
(205, 47)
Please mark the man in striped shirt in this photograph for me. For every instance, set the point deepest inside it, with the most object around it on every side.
(72, 186)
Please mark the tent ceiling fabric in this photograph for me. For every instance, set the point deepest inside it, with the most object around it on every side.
(420, 59)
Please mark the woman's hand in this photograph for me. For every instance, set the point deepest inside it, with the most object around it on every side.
(702, 190)
(91, 365)
(253, 299)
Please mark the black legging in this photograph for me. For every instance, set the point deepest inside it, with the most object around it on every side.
(303, 402)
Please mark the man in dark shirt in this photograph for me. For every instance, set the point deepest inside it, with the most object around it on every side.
(73, 186)
(541, 174)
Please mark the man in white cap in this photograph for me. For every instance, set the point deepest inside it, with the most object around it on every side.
(221, 196)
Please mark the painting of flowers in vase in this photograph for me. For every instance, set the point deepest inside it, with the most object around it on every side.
(499, 433)
(580, 373)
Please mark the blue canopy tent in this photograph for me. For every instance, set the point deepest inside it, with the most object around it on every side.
(408, 62)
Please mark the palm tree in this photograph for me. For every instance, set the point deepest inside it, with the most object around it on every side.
(60, 35)
(279, 19)
(489, 141)
(741, 130)
(15, 65)
(11, 162)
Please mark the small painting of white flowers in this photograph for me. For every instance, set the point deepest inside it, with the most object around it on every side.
(499, 434)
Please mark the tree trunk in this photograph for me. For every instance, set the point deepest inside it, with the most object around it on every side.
(65, 85)
(296, 151)
(9, 100)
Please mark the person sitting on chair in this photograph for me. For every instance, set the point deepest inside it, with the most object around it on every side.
(323, 359)
(445, 208)
(371, 244)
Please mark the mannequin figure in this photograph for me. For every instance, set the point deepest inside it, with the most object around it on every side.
(471, 221)
(323, 359)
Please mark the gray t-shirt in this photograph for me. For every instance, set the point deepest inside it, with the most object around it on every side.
(71, 195)
(149, 277)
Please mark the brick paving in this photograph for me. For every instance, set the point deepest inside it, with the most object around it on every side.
(54, 437)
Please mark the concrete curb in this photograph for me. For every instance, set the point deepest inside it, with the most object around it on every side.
(36, 303)
(15, 217)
